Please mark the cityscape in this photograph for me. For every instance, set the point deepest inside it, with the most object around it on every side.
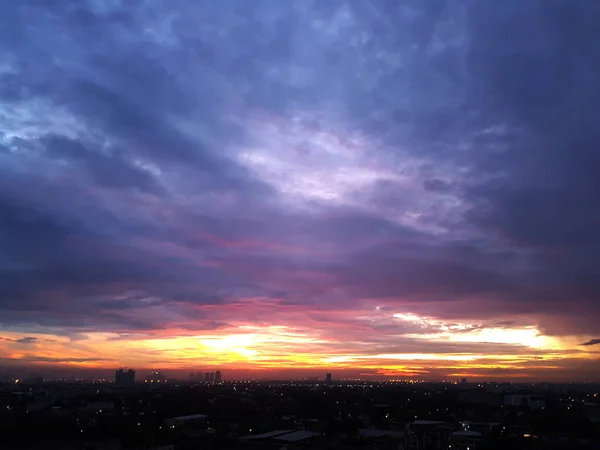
(209, 411)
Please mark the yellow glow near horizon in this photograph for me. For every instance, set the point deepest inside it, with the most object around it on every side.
(402, 357)
(232, 344)
(528, 336)
(262, 345)
(249, 346)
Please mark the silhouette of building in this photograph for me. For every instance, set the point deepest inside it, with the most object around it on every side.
(196, 377)
(209, 377)
(123, 378)
(218, 378)
(328, 378)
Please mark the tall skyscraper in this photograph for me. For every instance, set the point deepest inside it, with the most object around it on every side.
(196, 377)
(209, 377)
(123, 378)
(328, 378)
(218, 378)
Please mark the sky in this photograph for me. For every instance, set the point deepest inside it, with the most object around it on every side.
(387, 188)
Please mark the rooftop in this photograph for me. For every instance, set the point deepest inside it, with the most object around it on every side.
(267, 435)
(472, 434)
(371, 433)
(428, 422)
(297, 436)
(190, 417)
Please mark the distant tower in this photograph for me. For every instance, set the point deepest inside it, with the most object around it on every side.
(328, 378)
(209, 377)
(218, 377)
(463, 381)
(192, 376)
(123, 378)
(130, 377)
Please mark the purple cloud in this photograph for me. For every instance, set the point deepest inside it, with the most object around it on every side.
(161, 165)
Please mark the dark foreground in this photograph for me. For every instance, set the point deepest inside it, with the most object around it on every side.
(309, 416)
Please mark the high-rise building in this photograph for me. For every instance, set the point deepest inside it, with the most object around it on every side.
(328, 378)
(218, 378)
(123, 378)
(196, 377)
(209, 377)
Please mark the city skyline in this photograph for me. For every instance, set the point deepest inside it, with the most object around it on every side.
(378, 189)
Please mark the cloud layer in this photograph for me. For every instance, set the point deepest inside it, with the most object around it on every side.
(404, 187)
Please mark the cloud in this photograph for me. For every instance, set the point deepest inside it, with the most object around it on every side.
(111, 170)
(591, 342)
(41, 359)
(25, 340)
(190, 168)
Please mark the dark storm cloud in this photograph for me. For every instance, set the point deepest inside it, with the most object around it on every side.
(549, 90)
(591, 342)
(110, 170)
(436, 185)
(535, 66)
(117, 174)
(124, 97)
(51, 249)
(55, 267)
(128, 94)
